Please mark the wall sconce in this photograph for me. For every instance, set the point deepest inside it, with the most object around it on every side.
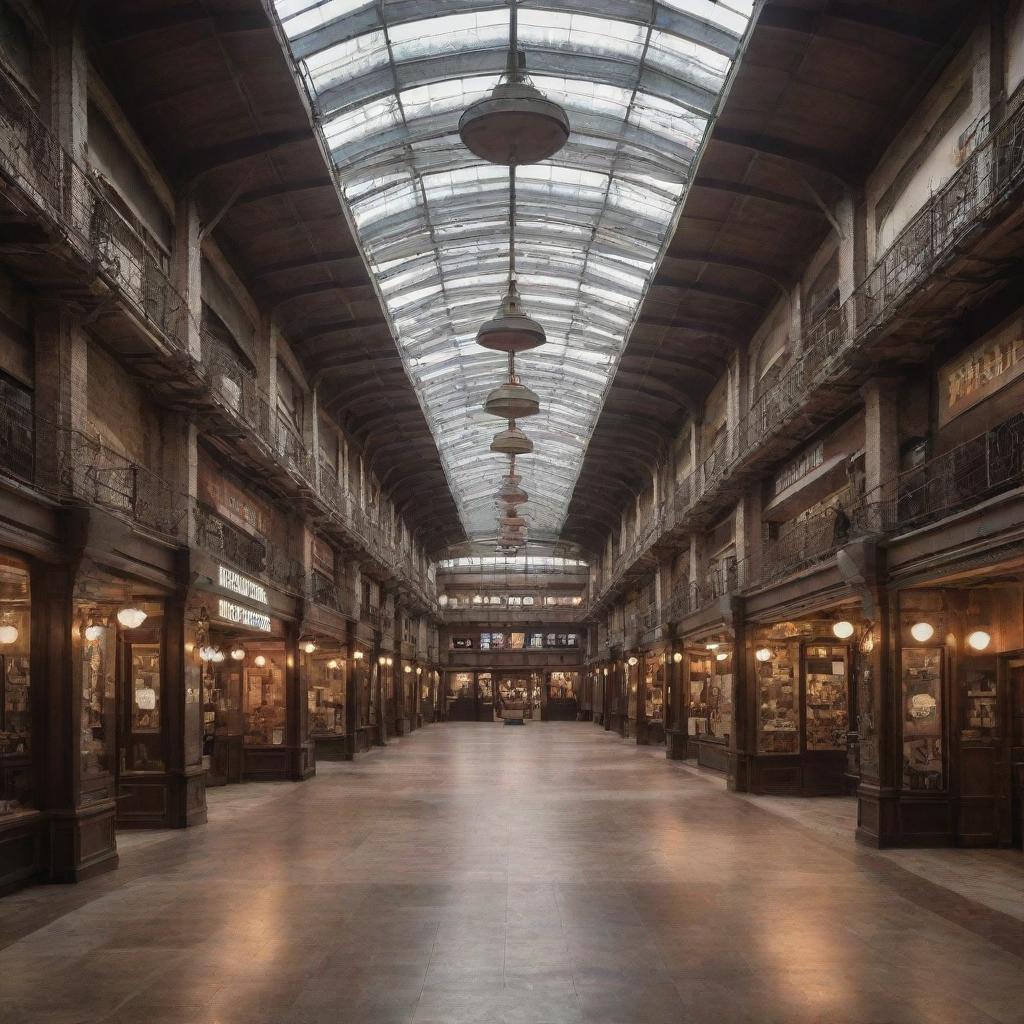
(843, 629)
(332, 664)
(867, 645)
(357, 655)
(94, 630)
(407, 669)
(8, 633)
(391, 662)
(979, 640)
(763, 654)
(206, 653)
(721, 656)
(677, 657)
(238, 653)
(606, 673)
(259, 661)
(382, 660)
(218, 656)
(419, 670)
(633, 661)
(131, 617)
(308, 646)
(922, 631)
(713, 646)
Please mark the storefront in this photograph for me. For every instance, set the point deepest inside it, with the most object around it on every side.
(520, 692)
(708, 695)
(328, 698)
(959, 654)
(651, 704)
(801, 692)
(255, 706)
(563, 703)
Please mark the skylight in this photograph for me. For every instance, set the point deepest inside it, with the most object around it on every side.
(390, 84)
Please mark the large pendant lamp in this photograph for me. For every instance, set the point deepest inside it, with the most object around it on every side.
(512, 441)
(516, 123)
(512, 400)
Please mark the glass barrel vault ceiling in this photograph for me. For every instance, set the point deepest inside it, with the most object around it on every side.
(389, 81)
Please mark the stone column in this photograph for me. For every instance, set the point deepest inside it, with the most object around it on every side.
(743, 738)
(881, 436)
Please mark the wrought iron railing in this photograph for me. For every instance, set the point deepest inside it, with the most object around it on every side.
(255, 556)
(993, 171)
(965, 475)
(71, 201)
(17, 436)
(804, 542)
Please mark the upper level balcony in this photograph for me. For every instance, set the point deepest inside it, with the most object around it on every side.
(967, 475)
(835, 353)
(75, 239)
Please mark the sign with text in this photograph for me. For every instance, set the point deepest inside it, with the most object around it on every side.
(243, 616)
(985, 368)
(241, 585)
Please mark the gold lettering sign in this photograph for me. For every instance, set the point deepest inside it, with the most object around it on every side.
(981, 371)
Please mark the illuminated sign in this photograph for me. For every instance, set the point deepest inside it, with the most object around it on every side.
(241, 585)
(244, 616)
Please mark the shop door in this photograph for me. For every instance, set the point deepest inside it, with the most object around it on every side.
(140, 766)
(983, 776)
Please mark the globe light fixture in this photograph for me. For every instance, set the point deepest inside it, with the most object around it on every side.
(633, 661)
(332, 664)
(94, 630)
(259, 661)
(407, 669)
(238, 653)
(843, 629)
(131, 617)
(308, 646)
(922, 631)
(677, 657)
(357, 655)
(8, 634)
(763, 654)
(721, 656)
(218, 656)
(979, 640)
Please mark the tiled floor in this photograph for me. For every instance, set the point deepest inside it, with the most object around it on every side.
(480, 874)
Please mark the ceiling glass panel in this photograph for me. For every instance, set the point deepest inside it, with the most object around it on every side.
(389, 82)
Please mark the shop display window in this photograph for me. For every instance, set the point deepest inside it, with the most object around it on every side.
(979, 704)
(485, 686)
(710, 705)
(778, 698)
(698, 708)
(15, 689)
(263, 704)
(460, 686)
(326, 694)
(654, 688)
(827, 697)
(143, 750)
(562, 685)
(97, 668)
(923, 750)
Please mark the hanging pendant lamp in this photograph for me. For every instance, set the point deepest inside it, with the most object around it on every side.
(512, 401)
(511, 492)
(512, 330)
(516, 123)
(511, 442)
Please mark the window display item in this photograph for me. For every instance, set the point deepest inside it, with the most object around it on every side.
(263, 705)
(778, 696)
(980, 704)
(827, 699)
(923, 748)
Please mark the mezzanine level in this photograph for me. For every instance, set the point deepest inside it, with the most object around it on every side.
(65, 235)
(968, 219)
